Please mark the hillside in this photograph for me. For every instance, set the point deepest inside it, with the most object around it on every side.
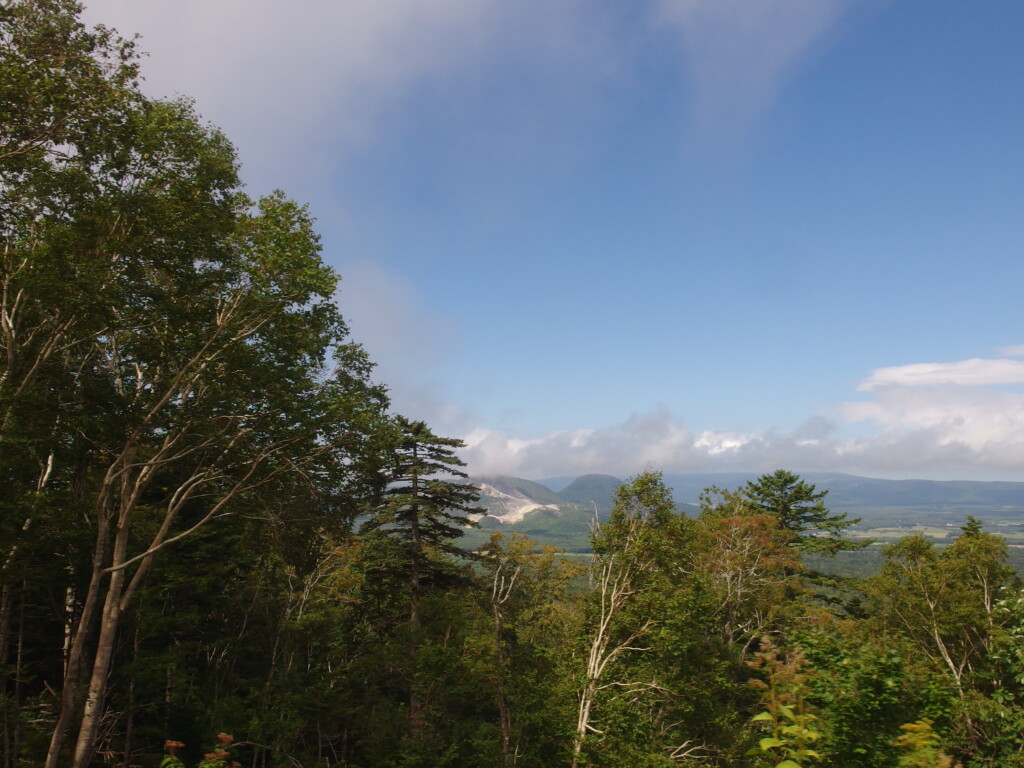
(888, 508)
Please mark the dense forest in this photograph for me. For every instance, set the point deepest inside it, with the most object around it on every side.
(219, 546)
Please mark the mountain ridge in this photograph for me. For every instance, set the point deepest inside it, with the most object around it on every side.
(564, 518)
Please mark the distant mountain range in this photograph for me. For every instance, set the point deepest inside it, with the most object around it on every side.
(563, 518)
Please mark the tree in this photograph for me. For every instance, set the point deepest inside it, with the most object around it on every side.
(65, 93)
(166, 342)
(945, 600)
(801, 509)
(745, 555)
(523, 587)
(199, 429)
(423, 509)
(426, 512)
(626, 552)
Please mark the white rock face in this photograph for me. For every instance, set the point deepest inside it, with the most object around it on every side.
(508, 508)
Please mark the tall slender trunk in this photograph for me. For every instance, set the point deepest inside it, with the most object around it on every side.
(504, 713)
(111, 618)
(76, 659)
(502, 586)
(19, 657)
(130, 713)
(415, 622)
(10, 723)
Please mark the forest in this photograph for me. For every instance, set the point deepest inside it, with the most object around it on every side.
(220, 547)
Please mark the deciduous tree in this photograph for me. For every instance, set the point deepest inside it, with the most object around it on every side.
(166, 342)
(626, 552)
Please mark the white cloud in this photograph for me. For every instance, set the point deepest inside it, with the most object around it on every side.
(977, 419)
(641, 439)
(300, 87)
(973, 372)
(739, 53)
(647, 439)
(924, 418)
(285, 80)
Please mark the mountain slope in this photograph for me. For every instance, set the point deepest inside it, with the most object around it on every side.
(509, 499)
(588, 490)
(564, 518)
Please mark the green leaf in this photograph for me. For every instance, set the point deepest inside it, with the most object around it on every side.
(760, 717)
(788, 764)
(769, 742)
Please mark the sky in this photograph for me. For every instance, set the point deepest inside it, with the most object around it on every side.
(693, 235)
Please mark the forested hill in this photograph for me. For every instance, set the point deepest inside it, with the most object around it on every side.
(845, 491)
(563, 516)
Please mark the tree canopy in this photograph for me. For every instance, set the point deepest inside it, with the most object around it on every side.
(800, 509)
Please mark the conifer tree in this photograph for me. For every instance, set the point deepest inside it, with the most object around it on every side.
(423, 508)
(426, 510)
(801, 509)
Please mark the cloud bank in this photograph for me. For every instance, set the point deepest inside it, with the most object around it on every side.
(300, 87)
(975, 372)
(297, 86)
(950, 418)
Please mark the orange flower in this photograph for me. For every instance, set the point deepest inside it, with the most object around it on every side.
(225, 738)
(171, 745)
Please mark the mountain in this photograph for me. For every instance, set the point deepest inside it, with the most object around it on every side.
(588, 490)
(556, 484)
(510, 499)
(564, 518)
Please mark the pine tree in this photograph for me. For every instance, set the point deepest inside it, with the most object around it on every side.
(800, 509)
(425, 510)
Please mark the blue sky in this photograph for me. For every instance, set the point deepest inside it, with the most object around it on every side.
(698, 234)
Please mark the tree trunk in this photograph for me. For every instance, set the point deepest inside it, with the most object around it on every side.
(504, 714)
(415, 621)
(130, 713)
(112, 611)
(76, 655)
(501, 591)
(6, 608)
(18, 661)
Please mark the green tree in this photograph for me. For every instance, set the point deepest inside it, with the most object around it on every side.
(744, 555)
(626, 554)
(945, 600)
(800, 509)
(426, 511)
(864, 684)
(424, 507)
(523, 587)
(166, 342)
